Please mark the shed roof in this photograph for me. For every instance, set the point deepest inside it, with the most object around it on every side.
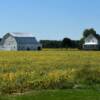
(97, 36)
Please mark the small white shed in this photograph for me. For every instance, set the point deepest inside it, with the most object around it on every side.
(92, 42)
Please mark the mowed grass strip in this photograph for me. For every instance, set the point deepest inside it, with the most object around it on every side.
(87, 94)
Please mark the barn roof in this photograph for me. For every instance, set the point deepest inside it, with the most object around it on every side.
(21, 38)
(18, 34)
(26, 40)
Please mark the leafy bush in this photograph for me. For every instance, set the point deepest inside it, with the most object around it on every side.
(88, 75)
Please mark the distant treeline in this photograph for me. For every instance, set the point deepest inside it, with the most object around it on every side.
(65, 43)
(51, 43)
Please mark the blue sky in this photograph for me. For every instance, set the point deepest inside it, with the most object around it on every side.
(49, 19)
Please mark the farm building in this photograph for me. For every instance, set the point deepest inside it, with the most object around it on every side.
(19, 41)
(92, 42)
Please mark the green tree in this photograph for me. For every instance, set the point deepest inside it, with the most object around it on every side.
(81, 42)
(88, 32)
(66, 42)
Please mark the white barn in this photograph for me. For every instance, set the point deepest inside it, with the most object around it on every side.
(92, 42)
(19, 41)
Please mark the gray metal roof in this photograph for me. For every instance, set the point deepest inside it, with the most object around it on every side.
(18, 34)
(21, 38)
(26, 40)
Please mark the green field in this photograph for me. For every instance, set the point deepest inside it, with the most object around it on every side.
(57, 95)
(48, 69)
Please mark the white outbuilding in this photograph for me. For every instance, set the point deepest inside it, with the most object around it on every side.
(19, 41)
(92, 42)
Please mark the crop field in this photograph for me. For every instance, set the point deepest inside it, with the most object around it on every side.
(48, 69)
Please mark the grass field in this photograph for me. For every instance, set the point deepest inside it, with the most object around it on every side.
(48, 69)
(57, 95)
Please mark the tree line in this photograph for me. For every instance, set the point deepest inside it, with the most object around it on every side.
(67, 42)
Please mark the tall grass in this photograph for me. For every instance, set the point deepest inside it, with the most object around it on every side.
(48, 69)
